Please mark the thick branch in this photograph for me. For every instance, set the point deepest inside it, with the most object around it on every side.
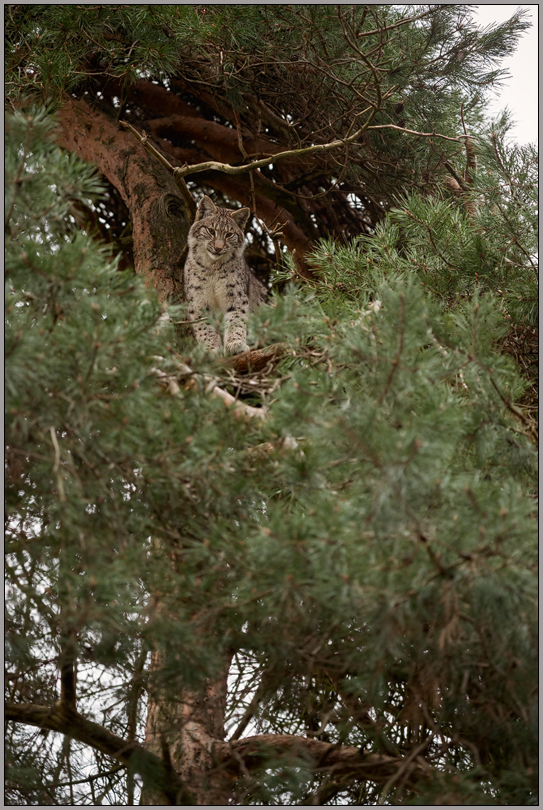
(257, 359)
(240, 409)
(155, 774)
(254, 752)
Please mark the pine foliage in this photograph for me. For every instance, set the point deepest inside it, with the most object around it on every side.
(386, 562)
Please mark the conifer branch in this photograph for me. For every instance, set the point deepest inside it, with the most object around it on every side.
(65, 720)
(399, 350)
(404, 21)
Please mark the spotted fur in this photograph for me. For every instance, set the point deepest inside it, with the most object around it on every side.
(217, 278)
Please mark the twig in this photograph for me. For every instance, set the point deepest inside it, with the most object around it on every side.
(399, 350)
(420, 134)
(63, 719)
(403, 768)
(91, 778)
(249, 713)
(404, 21)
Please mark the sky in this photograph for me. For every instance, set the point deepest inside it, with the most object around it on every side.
(519, 93)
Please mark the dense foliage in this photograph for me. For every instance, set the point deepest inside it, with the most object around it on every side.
(367, 552)
(234, 82)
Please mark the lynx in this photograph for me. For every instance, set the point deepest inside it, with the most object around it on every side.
(217, 277)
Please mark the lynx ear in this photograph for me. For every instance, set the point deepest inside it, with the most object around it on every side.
(206, 208)
(241, 216)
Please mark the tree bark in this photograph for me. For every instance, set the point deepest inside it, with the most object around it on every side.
(183, 731)
(160, 216)
(256, 359)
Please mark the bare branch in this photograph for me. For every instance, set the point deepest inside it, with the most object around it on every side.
(420, 134)
(227, 168)
(213, 165)
(239, 409)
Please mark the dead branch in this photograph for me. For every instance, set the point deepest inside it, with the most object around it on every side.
(240, 409)
(260, 164)
(458, 139)
(171, 383)
(226, 168)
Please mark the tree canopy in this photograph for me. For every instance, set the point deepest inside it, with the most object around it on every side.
(307, 575)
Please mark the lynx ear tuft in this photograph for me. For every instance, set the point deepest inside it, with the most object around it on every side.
(206, 208)
(241, 216)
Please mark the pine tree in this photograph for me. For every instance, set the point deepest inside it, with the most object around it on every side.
(312, 583)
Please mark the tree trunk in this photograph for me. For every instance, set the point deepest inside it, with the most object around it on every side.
(179, 732)
(159, 214)
(184, 731)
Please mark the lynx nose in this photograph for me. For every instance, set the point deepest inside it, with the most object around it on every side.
(219, 244)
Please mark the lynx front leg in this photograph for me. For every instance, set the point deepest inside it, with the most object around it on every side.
(204, 332)
(235, 332)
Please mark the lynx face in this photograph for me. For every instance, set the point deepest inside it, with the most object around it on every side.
(219, 236)
(218, 231)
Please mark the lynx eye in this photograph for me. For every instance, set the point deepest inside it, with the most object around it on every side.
(228, 235)
(210, 231)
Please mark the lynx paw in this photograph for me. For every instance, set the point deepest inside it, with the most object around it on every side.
(235, 347)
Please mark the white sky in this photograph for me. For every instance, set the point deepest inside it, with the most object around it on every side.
(520, 93)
